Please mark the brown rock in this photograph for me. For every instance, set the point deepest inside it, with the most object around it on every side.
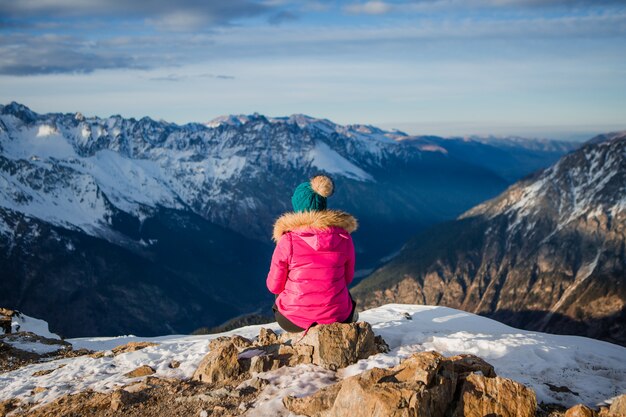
(338, 345)
(580, 410)
(120, 399)
(131, 347)
(482, 396)
(263, 363)
(267, 337)
(467, 364)
(43, 372)
(618, 406)
(8, 405)
(37, 390)
(144, 370)
(422, 385)
(220, 364)
(7, 312)
(174, 364)
(239, 342)
(5, 324)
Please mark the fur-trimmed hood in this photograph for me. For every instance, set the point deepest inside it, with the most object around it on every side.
(318, 219)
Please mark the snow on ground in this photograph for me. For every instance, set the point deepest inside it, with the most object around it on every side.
(594, 370)
(24, 323)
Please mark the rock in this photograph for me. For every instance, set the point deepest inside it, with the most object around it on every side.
(137, 387)
(618, 406)
(423, 384)
(580, 410)
(43, 372)
(467, 364)
(263, 363)
(120, 399)
(482, 396)
(144, 370)
(239, 342)
(8, 405)
(381, 345)
(174, 364)
(220, 364)
(131, 347)
(267, 337)
(37, 390)
(338, 345)
(5, 324)
(7, 312)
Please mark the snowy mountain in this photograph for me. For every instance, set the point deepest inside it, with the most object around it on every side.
(548, 254)
(562, 370)
(121, 215)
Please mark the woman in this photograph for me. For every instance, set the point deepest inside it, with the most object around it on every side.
(313, 262)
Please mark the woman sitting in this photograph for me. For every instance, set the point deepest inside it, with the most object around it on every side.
(313, 262)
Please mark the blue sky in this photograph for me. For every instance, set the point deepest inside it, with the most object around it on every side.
(543, 68)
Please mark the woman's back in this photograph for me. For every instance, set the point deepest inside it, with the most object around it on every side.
(313, 262)
(316, 251)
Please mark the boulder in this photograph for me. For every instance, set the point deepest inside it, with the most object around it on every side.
(467, 364)
(580, 410)
(239, 342)
(481, 396)
(618, 406)
(219, 364)
(337, 345)
(423, 384)
(267, 337)
(144, 370)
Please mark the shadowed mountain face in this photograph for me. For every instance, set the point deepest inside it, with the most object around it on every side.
(548, 254)
(115, 225)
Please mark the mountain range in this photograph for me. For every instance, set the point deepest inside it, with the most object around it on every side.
(148, 227)
(548, 254)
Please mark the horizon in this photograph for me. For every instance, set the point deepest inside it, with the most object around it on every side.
(548, 69)
(410, 129)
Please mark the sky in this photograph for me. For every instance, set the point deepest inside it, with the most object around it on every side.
(536, 68)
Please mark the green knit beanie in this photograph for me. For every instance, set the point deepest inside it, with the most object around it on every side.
(311, 195)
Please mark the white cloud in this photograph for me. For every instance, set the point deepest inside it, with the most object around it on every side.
(370, 7)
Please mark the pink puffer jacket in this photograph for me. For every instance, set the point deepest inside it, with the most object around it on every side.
(312, 265)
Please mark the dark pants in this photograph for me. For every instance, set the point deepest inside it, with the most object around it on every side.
(288, 326)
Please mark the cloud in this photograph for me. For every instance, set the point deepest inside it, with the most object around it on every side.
(180, 77)
(171, 14)
(55, 55)
(370, 7)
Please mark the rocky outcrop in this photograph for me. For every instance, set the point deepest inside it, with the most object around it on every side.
(580, 410)
(483, 396)
(6, 318)
(331, 346)
(13, 357)
(425, 384)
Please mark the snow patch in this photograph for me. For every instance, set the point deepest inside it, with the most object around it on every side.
(324, 158)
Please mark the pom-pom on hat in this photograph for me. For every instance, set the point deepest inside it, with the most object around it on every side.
(311, 195)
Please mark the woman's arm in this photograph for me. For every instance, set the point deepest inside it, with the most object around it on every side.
(279, 267)
(350, 261)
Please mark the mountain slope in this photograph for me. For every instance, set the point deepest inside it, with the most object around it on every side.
(548, 254)
(109, 215)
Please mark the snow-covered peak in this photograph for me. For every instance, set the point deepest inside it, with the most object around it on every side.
(229, 120)
(586, 185)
